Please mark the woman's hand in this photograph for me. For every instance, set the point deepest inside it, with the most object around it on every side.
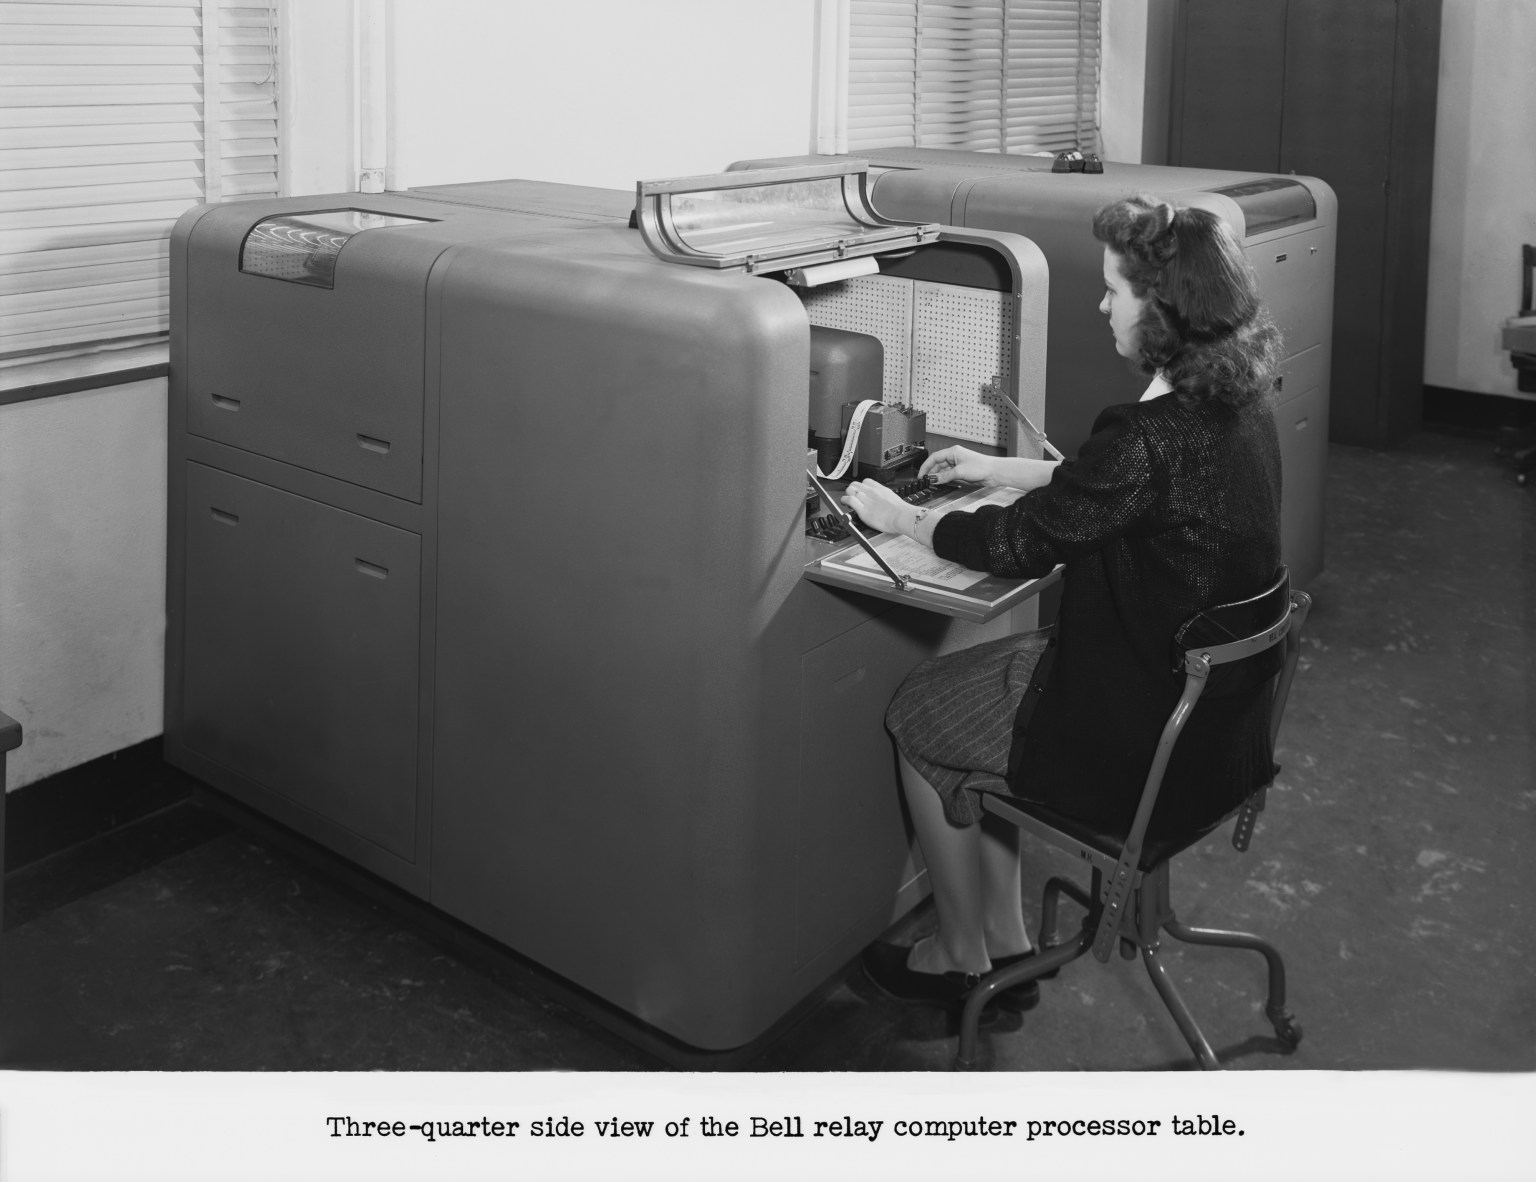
(959, 463)
(877, 506)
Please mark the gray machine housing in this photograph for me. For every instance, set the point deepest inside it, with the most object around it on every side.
(486, 571)
(1287, 226)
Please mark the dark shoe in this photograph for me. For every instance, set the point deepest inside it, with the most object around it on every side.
(1026, 994)
(886, 967)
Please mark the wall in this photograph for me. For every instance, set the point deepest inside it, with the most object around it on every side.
(1123, 64)
(316, 105)
(605, 94)
(82, 574)
(1135, 79)
(1484, 201)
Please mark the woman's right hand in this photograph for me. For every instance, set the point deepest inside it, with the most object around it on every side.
(958, 463)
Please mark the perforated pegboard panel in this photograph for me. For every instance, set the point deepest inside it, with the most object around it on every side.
(945, 347)
(880, 306)
(960, 350)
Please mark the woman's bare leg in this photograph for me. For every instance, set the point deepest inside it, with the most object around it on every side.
(954, 860)
(1002, 889)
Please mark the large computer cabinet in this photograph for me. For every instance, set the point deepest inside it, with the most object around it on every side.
(488, 568)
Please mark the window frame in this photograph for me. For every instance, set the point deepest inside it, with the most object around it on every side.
(229, 97)
(838, 68)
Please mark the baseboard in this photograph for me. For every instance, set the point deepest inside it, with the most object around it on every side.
(72, 806)
(1465, 412)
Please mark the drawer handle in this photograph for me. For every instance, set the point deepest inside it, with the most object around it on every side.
(369, 443)
(1280, 258)
(224, 403)
(225, 518)
(1302, 422)
(372, 569)
(848, 680)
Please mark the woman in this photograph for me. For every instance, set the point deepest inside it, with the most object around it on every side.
(1171, 506)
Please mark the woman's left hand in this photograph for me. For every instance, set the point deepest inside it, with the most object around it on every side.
(877, 506)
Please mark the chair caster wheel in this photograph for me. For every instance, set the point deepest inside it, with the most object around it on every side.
(1287, 1030)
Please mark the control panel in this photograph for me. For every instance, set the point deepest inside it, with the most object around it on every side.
(829, 527)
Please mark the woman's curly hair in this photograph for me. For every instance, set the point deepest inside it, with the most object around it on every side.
(1202, 325)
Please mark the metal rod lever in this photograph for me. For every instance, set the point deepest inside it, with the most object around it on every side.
(847, 520)
(1030, 429)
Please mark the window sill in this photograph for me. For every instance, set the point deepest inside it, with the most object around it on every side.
(46, 379)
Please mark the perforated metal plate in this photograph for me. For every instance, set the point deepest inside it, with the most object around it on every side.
(946, 347)
(960, 353)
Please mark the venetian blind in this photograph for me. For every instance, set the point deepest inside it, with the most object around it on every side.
(985, 75)
(115, 119)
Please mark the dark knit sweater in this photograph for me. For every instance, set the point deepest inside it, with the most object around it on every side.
(1172, 506)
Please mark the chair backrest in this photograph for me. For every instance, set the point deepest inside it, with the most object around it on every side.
(1247, 632)
(1237, 632)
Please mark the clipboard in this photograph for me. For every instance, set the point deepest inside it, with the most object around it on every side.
(893, 567)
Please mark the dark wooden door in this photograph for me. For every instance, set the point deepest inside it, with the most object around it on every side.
(1343, 90)
(1336, 125)
(1229, 85)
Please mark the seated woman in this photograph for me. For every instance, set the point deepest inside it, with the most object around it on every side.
(1172, 505)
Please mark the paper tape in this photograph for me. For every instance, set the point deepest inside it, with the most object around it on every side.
(851, 446)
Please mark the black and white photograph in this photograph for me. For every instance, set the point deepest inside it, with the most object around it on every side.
(696, 588)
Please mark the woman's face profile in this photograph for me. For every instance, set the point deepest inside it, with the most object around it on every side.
(1121, 305)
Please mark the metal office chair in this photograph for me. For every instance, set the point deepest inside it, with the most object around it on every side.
(1134, 909)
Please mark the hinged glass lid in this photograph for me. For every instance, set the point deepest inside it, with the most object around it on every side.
(1271, 203)
(769, 219)
(303, 247)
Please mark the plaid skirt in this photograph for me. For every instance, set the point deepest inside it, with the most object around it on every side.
(953, 718)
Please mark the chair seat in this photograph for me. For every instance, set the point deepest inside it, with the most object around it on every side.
(1111, 841)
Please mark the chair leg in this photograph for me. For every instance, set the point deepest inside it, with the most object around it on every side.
(996, 982)
(1178, 1009)
(1287, 1029)
(1051, 901)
